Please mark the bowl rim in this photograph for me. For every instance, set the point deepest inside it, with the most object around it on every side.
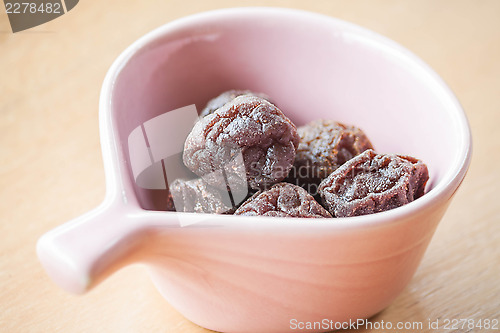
(115, 170)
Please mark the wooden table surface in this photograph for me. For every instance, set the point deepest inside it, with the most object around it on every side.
(51, 167)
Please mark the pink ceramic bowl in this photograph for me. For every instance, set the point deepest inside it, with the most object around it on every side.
(248, 274)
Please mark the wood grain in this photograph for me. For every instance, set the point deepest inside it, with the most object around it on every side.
(51, 166)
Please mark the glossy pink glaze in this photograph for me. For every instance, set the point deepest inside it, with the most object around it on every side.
(250, 274)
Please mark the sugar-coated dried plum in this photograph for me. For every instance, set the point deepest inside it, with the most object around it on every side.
(371, 183)
(170, 203)
(226, 97)
(324, 146)
(283, 200)
(248, 139)
(197, 196)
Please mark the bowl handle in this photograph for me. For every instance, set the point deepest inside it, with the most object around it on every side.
(80, 253)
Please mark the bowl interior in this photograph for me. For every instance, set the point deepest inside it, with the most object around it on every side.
(312, 67)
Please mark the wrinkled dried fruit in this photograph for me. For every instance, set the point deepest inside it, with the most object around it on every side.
(248, 140)
(170, 203)
(324, 146)
(226, 97)
(283, 200)
(197, 196)
(371, 183)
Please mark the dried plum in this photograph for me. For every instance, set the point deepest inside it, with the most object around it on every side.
(283, 200)
(170, 203)
(249, 139)
(197, 196)
(324, 146)
(371, 183)
(226, 97)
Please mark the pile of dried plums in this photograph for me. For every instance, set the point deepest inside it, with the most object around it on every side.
(250, 159)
